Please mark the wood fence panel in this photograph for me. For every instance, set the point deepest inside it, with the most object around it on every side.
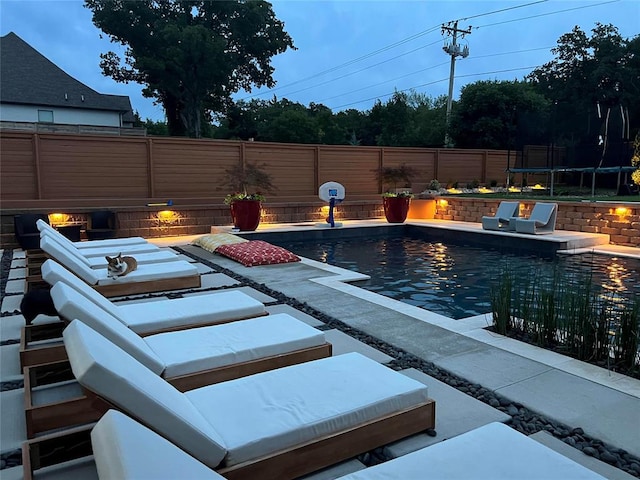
(98, 169)
(190, 168)
(422, 161)
(17, 165)
(292, 167)
(496, 167)
(462, 166)
(92, 167)
(355, 168)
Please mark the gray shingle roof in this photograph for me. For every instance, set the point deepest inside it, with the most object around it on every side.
(29, 78)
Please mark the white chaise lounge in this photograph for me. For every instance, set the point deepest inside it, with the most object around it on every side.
(100, 248)
(124, 449)
(147, 278)
(504, 219)
(100, 262)
(187, 359)
(278, 424)
(542, 219)
(40, 344)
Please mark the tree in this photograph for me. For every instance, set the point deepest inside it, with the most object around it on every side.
(191, 55)
(486, 114)
(588, 76)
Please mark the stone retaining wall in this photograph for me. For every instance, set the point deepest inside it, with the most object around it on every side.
(155, 222)
(592, 217)
(619, 220)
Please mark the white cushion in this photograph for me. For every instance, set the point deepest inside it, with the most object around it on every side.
(205, 348)
(142, 258)
(200, 309)
(149, 272)
(62, 255)
(116, 249)
(67, 246)
(264, 413)
(105, 369)
(72, 305)
(149, 316)
(493, 451)
(52, 273)
(125, 450)
(111, 242)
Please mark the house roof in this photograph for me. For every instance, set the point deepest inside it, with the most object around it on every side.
(27, 77)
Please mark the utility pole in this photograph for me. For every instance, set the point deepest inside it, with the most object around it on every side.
(455, 51)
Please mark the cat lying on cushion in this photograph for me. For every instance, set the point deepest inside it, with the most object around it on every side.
(120, 266)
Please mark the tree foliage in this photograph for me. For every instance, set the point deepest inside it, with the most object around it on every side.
(191, 55)
(588, 76)
(486, 116)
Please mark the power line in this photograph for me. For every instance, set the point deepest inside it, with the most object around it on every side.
(362, 69)
(549, 13)
(350, 62)
(381, 50)
(413, 37)
(422, 70)
(431, 83)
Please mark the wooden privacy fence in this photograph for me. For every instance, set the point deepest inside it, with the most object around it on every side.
(53, 170)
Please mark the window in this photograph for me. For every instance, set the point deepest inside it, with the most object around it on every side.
(45, 116)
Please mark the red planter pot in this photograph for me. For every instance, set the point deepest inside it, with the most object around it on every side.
(246, 214)
(396, 208)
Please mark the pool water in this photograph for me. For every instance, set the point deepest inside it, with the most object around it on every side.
(455, 280)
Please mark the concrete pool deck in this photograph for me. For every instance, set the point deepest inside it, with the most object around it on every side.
(604, 404)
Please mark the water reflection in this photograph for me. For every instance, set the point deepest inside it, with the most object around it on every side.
(455, 280)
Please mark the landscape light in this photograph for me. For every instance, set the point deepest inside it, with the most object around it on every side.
(622, 212)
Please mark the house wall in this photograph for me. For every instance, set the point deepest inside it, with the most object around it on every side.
(70, 116)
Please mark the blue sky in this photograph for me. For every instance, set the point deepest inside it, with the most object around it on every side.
(350, 53)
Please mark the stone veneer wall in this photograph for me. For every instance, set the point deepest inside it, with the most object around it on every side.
(155, 222)
(590, 217)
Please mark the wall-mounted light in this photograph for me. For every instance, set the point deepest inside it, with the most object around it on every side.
(622, 212)
(167, 216)
(58, 218)
(443, 203)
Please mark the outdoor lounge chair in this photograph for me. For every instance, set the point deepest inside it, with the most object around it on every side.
(542, 219)
(100, 248)
(124, 449)
(147, 278)
(187, 359)
(504, 219)
(41, 344)
(25, 228)
(96, 262)
(278, 424)
(102, 225)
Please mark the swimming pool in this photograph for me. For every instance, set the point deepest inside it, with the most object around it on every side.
(455, 279)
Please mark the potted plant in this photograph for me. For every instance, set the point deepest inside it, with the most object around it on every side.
(396, 203)
(246, 208)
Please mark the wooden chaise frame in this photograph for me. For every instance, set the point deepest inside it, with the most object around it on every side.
(87, 408)
(31, 354)
(135, 288)
(285, 464)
